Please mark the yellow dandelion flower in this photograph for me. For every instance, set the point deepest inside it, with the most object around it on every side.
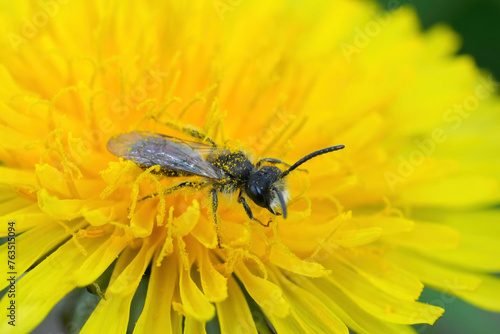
(407, 203)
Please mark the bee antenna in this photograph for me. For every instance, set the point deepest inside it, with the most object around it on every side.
(309, 157)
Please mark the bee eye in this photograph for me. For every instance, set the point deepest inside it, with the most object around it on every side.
(258, 187)
(256, 193)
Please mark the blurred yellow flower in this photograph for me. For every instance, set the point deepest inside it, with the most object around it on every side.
(407, 203)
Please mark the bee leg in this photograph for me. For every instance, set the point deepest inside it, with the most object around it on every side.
(189, 184)
(215, 205)
(272, 161)
(189, 131)
(198, 135)
(248, 211)
(275, 161)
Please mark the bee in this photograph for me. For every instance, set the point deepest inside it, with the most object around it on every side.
(222, 170)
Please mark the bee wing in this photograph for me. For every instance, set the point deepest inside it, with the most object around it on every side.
(151, 149)
(202, 148)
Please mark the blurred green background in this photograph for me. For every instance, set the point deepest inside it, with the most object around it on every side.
(478, 24)
(476, 21)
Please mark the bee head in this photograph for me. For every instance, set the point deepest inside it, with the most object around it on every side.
(267, 186)
(267, 189)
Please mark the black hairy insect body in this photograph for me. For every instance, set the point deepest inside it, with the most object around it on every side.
(223, 170)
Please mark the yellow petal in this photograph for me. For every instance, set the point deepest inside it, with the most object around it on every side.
(52, 180)
(479, 240)
(188, 220)
(214, 284)
(125, 279)
(155, 316)
(382, 273)
(64, 209)
(104, 212)
(487, 295)
(110, 316)
(15, 177)
(41, 288)
(233, 312)
(458, 192)
(265, 293)
(177, 322)
(194, 326)
(10, 201)
(36, 242)
(8, 82)
(129, 269)
(388, 225)
(302, 237)
(87, 159)
(377, 302)
(25, 219)
(195, 303)
(442, 40)
(433, 273)
(479, 289)
(308, 309)
(289, 324)
(143, 220)
(118, 174)
(205, 233)
(356, 237)
(15, 142)
(354, 316)
(100, 260)
(474, 252)
(428, 237)
(285, 259)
